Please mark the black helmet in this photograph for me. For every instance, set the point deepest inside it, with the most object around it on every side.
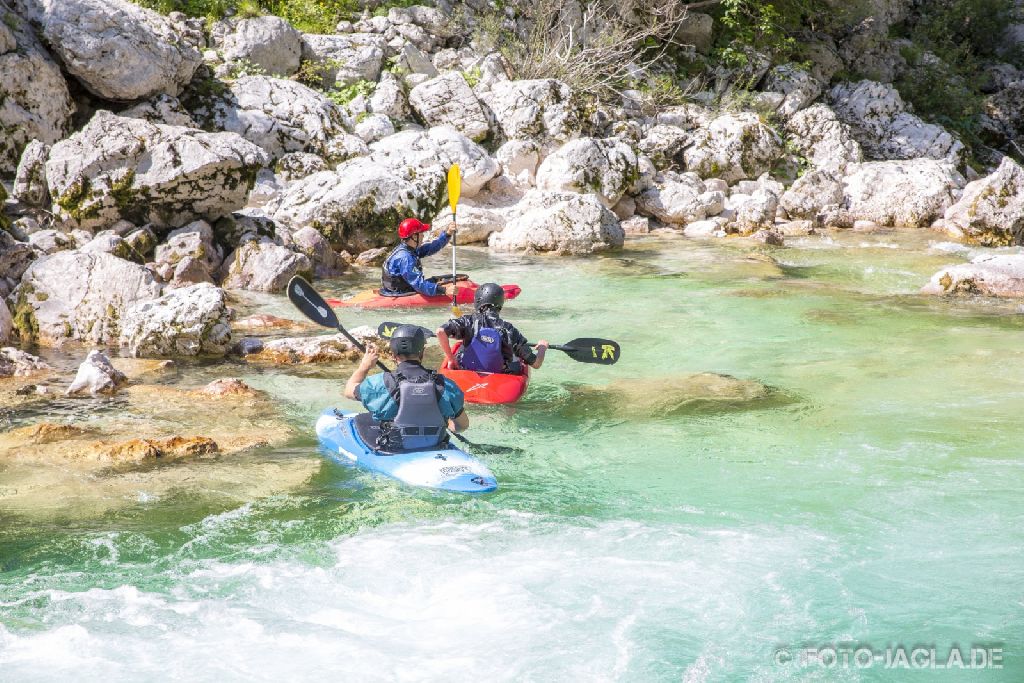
(489, 294)
(408, 340)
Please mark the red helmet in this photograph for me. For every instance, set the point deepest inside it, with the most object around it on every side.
(411, 226)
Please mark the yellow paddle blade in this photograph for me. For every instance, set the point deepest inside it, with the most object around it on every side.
(454, 186)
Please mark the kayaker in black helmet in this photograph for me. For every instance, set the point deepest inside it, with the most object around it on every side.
(489, 344)
(413, 403)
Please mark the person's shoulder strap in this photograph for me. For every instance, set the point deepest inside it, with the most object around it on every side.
(391, 381)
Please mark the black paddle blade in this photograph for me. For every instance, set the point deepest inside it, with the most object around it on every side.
(587, 350)
(385, 330)
(312, 305)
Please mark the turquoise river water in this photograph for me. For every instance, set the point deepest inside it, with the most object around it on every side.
(849, 477)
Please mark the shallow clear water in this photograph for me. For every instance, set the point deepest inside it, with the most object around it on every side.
(856, 482)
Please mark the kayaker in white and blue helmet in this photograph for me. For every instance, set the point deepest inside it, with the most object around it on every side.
(413, 403)
(489, 344)
(402, 272)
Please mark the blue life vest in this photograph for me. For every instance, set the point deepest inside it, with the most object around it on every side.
(483, 352)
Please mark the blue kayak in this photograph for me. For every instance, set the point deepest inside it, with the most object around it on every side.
(346, 437)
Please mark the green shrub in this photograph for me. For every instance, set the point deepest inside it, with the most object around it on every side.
(344, 95)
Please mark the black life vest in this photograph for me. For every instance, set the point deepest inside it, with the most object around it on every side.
(419, 422)
(395, 285)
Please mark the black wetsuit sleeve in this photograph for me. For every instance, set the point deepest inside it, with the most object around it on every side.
(519, 345)
(459, 328)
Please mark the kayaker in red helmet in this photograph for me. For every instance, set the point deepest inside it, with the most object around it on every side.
(489, 344)
(402, 272)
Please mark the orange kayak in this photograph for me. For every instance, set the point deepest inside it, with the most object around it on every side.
(371, 298)
(488, 387)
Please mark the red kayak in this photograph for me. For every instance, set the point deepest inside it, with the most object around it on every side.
(488, 387)
(371, 298)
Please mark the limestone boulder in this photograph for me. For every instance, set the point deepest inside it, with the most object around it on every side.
(277, 114)
(268, 42)
(817, 134)
(448, 100)
(559, 222)
(263, 266)
(79, 296)
(15, 256)
(345, 59)
(186, 321)
(991, 209)
(389, 98)
(96, 375)
(519, 160)
(194, 241)
(1000, 275)
(811, 193)
(118, 50)
(798, 87)
(296, 165)
(879, 121)
(17, 363)
(909, 193)
(680, 198)
(30, 186)
(734, 147)
(433, 152)
(544, 110)
(664, 145)
(120, 168)
(162, 108)
(326, 262)
(605, 167)
(374, 127)
(35, 103)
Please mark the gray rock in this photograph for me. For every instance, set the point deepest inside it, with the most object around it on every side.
(116, 49)
(264, 266)
(142, 242)
(345, 59)
(991, 210)
(811, 193)
(564, 223)
(680, 199)
(695, 29)
(605, 167)
(343, 147)
(162, 108)
(96, 375)
(267, 41)
(189, 321)
(374, 127)
(30, 180)
(16, 363)
(50, 241)
(107, 242)
(195, 241)
(15, 256)
(876, 115)
(733, 147)
(820, 137)
(757, 212)
(278, 115)
(6, 322)
(373, 257)
(664, 145)
(433, 152)
(326, 262)
(81, 296)
(999, 275)
(34, 100)
(519, 160)
(389, 98)
(448, 100)
(295, 165)
(118, 168)
(797, 85)
(909, 193)
(543, 110)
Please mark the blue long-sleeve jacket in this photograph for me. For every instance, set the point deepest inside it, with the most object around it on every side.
(403, 264)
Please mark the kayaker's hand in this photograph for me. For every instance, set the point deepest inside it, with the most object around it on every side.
(451, 230)
(448, 290)
(453, 363)
(542, 344)
(369, 359)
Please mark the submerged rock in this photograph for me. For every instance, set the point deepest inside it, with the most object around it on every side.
(298, 350)
(666, 397)
(96, 375)
(229, 386)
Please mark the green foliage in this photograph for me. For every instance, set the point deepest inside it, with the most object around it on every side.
(244, 67)
(247, 9)
(473, 76)
(316, 74)
(344, 95)
(771, 27)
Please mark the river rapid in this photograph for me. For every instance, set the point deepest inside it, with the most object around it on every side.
(797, 450)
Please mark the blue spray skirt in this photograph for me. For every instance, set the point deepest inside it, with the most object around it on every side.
(445, 468)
